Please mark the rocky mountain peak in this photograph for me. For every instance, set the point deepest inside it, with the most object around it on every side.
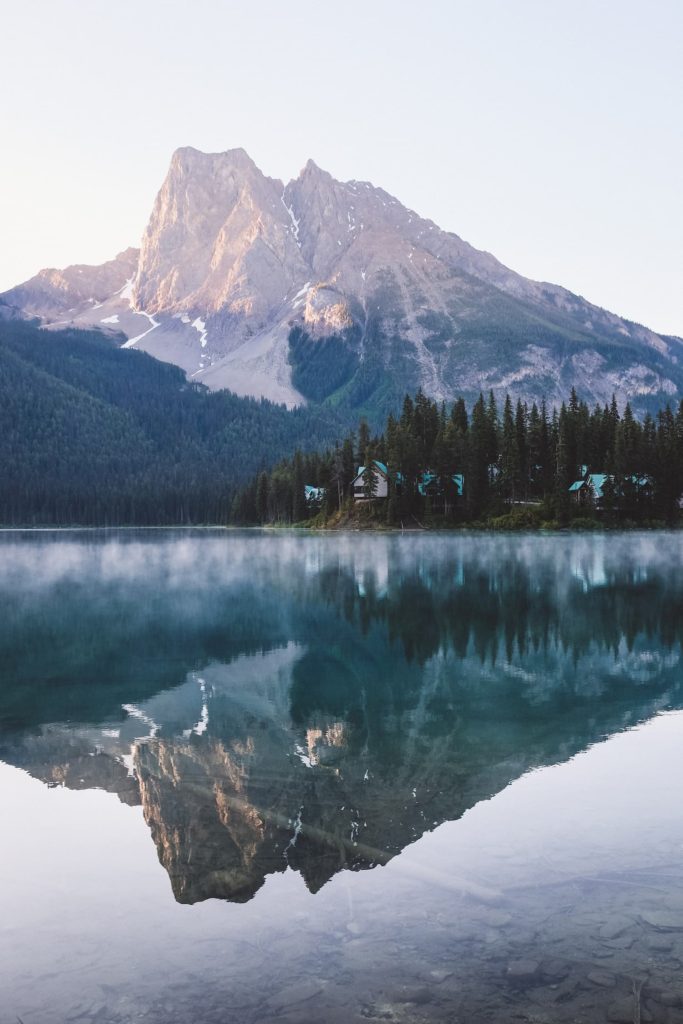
(239, 279)
(311, 173)
(219, 239)
(187, 157)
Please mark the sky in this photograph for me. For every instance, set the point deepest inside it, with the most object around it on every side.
(547, 132)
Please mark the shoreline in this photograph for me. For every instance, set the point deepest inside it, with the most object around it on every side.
(304, 527)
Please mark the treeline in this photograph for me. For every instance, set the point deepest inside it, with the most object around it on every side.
(511, 457)
(91, 434)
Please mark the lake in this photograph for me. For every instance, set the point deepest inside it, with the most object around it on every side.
(250, 776)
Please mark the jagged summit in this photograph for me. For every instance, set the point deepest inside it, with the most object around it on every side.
(312, 170)
(186, 157)
(237, 153)
(327, 289)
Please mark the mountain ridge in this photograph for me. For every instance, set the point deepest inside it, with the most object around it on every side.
(328, 291)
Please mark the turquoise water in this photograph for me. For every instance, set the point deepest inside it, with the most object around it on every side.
(254, 776)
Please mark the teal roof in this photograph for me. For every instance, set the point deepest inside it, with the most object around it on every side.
(425, 480)
(428, 477)
(594, 480)
(380, 466)
(598, 481)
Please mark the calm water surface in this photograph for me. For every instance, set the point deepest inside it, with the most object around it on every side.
(263, 776)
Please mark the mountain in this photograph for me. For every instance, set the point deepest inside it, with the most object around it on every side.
(329, 291)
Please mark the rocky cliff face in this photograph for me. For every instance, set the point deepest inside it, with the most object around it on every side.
(79, 290)
(219, 243)
(322, 288)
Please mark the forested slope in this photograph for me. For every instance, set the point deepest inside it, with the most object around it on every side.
(93, 434)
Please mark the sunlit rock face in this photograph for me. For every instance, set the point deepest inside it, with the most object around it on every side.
(326, 311)
(219, 241)
(232, 261)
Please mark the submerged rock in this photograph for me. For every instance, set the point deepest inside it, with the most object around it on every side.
(624, 1012)
(667, 998)
(556, 970)
(602, 978)
(614, 927)
(522, 971)
(291, 995)
(438, 976)
(663, 920)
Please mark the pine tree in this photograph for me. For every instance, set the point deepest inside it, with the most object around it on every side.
(299, 506)
(363, 443)
(522, 450)
(459, 416)
(534, 469)
(565, 469)
(393, 463)
(349, 464)
(262, 498)
(509, 461)
(478, 478)
(370, 476)
(492, 434)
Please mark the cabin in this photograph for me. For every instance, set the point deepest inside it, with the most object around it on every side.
(593, 488)
(589, 490)
(429, 485)
(314, 496)
(381, 480)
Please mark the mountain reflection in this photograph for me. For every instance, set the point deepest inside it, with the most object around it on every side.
(321, 702)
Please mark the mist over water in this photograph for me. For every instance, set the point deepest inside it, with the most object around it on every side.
(267, 775)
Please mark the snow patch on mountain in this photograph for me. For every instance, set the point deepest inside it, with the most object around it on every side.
(133, 341)
(126, 292)
(200, 327)
(293, 219)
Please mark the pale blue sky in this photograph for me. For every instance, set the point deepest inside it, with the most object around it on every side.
(548, 132)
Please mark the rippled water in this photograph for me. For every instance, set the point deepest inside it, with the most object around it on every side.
(256, 776)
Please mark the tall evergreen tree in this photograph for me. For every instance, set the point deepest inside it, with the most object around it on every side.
(262, 498)
(509, 454)
(299, 508)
